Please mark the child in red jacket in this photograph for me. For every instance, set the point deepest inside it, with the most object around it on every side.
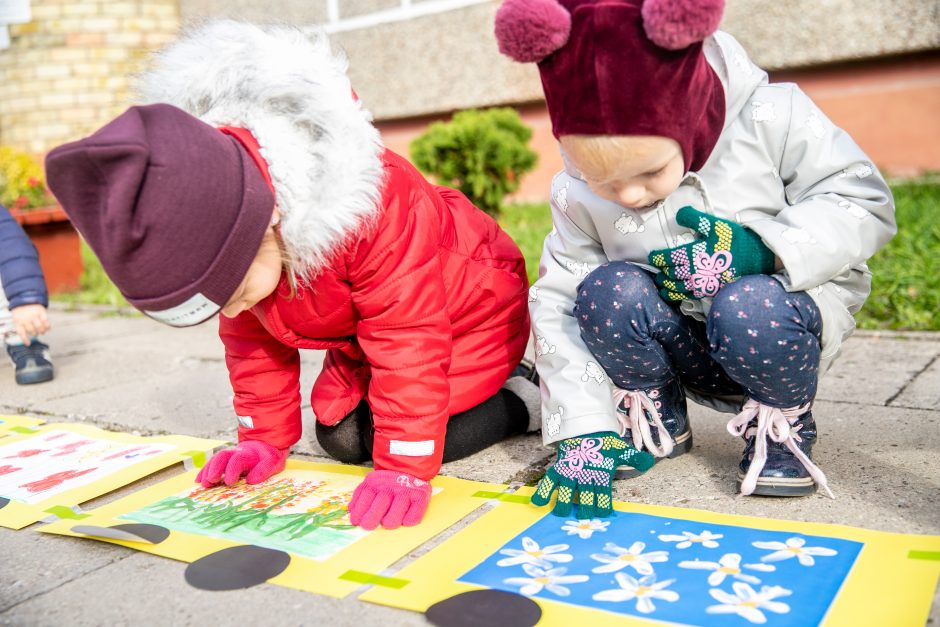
(280, 208)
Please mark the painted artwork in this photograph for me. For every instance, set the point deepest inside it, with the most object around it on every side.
(18, 424)
(656, 565)
(300, 511)
(297, 511)
(50, 470)
(671, 570)
(38, 468)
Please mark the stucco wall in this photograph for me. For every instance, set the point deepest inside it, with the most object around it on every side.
(449, 60)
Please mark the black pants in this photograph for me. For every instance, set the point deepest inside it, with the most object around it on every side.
(493, 420)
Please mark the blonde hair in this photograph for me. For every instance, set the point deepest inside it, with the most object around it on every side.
(286, 261)
(601, 157)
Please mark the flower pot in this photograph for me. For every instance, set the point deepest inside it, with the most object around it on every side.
(58, 244)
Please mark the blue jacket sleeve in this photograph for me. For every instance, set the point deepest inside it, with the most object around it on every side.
(22, 278)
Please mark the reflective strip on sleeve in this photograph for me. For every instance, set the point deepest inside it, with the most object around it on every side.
(411, 449)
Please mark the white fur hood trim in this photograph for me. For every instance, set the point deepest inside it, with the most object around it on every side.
(291, 91)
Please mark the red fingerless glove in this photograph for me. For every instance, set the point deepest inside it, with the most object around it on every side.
(257, 459)
(392, 498)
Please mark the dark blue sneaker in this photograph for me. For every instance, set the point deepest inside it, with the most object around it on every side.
(783, 473)
(32, 362)
(669, 401)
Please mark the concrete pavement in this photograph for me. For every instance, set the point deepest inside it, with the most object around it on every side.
(878, 412)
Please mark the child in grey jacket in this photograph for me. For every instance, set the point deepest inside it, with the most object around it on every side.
(711, 232)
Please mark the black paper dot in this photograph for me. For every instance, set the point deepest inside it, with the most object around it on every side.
(4, 502)
(151, 533)
(236, 567)
(485, 608)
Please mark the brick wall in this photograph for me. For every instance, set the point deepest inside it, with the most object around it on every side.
(69, 70)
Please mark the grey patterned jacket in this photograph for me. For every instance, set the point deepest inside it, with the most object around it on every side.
(781, 168)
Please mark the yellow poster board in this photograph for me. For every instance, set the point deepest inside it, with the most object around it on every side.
(653, 565)
(49, 470)
(18, 424)
(301, 511)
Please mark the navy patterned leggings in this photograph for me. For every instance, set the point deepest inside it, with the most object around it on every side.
(759, 340)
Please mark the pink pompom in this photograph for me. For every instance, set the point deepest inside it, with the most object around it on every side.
(675, 24)
(530, 30)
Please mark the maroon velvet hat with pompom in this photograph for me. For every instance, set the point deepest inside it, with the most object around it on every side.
(622, 67)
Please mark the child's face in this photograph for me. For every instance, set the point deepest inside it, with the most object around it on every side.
(632, 171)
(261, 280)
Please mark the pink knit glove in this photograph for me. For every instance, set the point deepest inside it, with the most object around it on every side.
(392, 498)
(258, 459)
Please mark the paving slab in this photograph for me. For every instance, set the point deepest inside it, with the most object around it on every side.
(875, 368)
(924, 391)
(143, 589)
(35, 564)
(519, 458)
(880, 462)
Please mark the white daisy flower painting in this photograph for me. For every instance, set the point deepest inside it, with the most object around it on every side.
(584, 529)
(672, 571)
(551, 580)
(748, 603)
(728, 566)
(793, 547)
(687, 539)
(532, 553)
(644, 591)
(617, 558)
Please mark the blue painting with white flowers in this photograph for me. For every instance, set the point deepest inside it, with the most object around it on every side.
(674, 570)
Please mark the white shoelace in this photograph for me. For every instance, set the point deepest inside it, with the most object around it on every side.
(636, 401)
(776, 424)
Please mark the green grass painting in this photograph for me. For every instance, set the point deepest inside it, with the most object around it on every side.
(302, 512)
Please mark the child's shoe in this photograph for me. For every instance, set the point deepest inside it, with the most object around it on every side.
(778, 450)
(645, 414)
(523, 381)
(32, 362)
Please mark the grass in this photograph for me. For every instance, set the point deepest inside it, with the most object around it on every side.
(905, 290)
(906, 272)
(96, 288)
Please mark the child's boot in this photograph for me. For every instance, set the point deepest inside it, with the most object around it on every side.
(778, 450)
(523, 381)
(645, 414)
(32, 362)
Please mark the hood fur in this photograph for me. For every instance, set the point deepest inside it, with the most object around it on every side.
(291, 91)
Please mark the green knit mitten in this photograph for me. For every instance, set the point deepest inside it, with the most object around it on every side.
(727, 252)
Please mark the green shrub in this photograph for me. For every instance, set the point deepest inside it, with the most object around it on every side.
(481, 153)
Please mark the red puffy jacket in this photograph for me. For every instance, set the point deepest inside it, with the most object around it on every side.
(423, 313)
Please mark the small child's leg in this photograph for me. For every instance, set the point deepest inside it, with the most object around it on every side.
(645, 346)
(502, 415)
(768, 340)
(349, 440)
(32, 363)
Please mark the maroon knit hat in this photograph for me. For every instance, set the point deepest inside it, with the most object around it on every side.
(174, 209)
(622, 67)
